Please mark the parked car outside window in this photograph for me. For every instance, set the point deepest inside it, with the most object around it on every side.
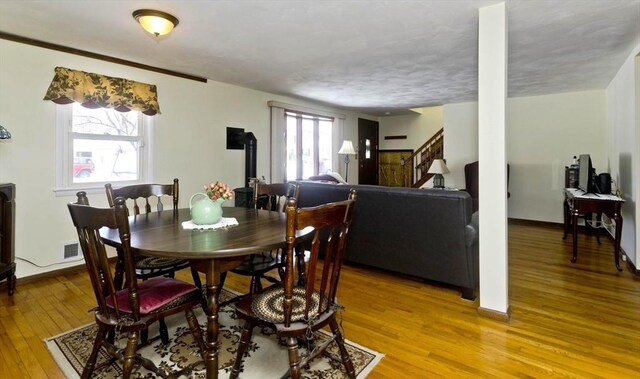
(83, 167)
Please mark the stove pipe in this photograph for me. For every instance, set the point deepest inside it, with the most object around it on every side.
(250, 157)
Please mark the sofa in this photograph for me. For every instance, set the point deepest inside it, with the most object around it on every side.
(425, 233)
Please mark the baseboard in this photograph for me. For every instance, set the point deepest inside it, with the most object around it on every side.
(547, 224)
(634, 270)
(495, 315)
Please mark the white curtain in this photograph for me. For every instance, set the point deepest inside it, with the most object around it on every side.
(278, 152)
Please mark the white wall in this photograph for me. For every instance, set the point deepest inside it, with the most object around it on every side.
(623, 103)
(543, 134)
(460, 140)
(417, 127)
(190, 141)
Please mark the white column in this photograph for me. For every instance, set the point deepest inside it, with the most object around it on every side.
(492, 94)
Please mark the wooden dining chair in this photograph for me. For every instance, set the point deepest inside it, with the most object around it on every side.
(271, 197)
(150, 267)
(130, 310)
(298, 312)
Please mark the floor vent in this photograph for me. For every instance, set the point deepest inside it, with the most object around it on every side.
(70, 250)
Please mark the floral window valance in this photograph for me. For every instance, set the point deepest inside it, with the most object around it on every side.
(99, 91)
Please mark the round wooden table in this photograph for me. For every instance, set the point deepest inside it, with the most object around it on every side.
(212, 252)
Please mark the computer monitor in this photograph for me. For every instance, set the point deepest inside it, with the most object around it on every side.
(586, 174)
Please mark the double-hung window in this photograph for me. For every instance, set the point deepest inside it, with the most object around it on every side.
(308, 145)
(97, 146)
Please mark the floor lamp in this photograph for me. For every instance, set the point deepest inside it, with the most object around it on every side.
(346, 149)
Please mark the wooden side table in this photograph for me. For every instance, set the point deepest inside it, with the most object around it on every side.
(7, 235)
(578, 203)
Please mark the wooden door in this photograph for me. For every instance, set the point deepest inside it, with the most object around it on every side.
(367, 151)
(392, 172)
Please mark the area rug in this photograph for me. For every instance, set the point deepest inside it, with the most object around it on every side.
(267, 356)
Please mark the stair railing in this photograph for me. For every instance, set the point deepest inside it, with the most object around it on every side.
(421, 160)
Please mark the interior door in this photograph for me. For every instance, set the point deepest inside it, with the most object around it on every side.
(367, 151)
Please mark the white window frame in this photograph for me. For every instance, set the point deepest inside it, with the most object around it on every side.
(299, 117)
(277, 135)
(64, 153)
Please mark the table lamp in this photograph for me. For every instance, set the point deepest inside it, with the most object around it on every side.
(346, 149)
(438, 167)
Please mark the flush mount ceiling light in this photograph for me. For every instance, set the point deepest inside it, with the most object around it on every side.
(155, 22)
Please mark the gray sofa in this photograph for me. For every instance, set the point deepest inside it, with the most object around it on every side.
(426, 233)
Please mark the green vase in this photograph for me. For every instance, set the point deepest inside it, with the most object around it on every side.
(205, 211)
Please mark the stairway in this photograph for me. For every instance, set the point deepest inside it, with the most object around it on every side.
(421, 159)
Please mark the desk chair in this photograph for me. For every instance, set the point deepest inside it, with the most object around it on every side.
(298, 312)
(131, 310)
(150, 267)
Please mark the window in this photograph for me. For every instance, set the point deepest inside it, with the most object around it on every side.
(97, 146)
(308, 145)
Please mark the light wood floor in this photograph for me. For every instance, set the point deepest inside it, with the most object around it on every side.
(568, 320)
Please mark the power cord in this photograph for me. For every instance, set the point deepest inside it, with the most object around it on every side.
(49, 265)
(617, 192)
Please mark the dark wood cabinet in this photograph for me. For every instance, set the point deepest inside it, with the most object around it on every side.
(7, 235)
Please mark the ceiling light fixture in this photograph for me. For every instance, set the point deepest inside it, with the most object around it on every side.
(155, 22)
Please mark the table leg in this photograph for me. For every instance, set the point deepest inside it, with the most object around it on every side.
(574, 219)
(616, 249)
(565, 206)
(212, 343)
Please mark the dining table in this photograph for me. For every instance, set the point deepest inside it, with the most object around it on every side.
(210, 251)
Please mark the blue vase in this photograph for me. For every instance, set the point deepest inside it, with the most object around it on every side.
(205, 211)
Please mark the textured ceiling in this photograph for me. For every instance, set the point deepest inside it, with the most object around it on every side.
(371, 56)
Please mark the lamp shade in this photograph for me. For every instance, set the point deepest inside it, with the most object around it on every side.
(438, 167)
(155, 22)
(4, 133)
(346, 148)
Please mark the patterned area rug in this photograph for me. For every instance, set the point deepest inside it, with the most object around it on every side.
(267, 356)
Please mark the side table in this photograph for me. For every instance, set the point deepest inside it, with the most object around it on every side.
(577, 202)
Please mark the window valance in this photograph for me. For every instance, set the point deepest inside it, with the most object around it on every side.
(100, 91)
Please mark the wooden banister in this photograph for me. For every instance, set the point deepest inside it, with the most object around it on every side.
(422, 158)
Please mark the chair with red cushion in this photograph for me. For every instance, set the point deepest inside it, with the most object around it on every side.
(131, 310)
(297, 312)
(150, 267)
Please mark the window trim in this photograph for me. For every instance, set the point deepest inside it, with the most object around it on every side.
(64, 185)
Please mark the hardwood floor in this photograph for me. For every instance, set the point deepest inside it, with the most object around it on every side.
(567, 320)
